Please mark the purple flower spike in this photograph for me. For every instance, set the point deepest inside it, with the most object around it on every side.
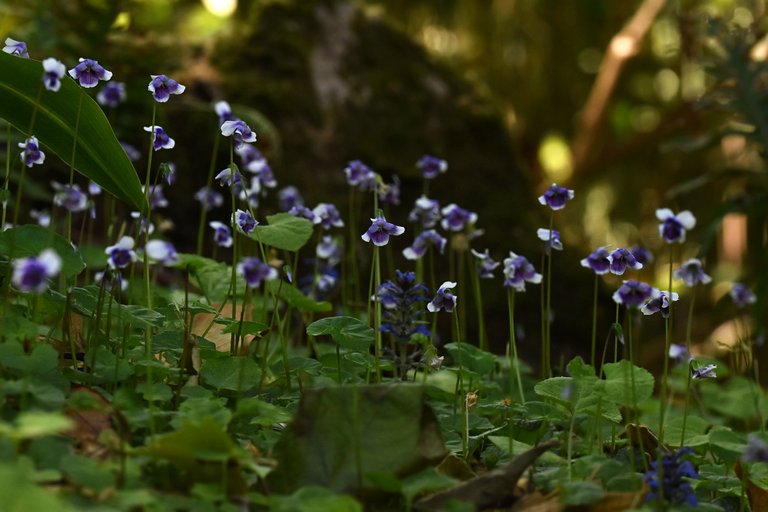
(162, 252)
(692, 273)
(485, 264)
(632, 293)
(598, 261)
(224, 111)
(70, 197)
(288, 197)
(239, 131)
(112, 94)
(431, 166)
(17, 48)
(551, 239)
(32, 274)
(556, 196)
(641, 254)
(244, 221)
(162, 87)
(517, 271)
(329, 216)
(426, 212)
(705, 372)
(209, 198)
(742, 296)
(621, 259)
(360, 175)
(444, 300)
(456, 218)
(659, 301)
(89, 72)
(673, 227)
(254, 271)
(121, 254)
(160, 139)
(222, 235)
(380, 231)
(422, 243)
(54, 72)
(674, 487)
(31, 154)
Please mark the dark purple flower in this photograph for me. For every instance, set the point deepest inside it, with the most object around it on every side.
(254, 271)
(305, 213)
(162, 87)
(162, 251)
(742, 296)
(112, 94)
(17, 48)
(31, 154)
(222, 235)
(485, 264)
(422, 243)
(598, 261)
(659, 301)
(380, 231)
(89, 72)
(70, 197)
(674, 475)
(32, 274)
(705, 372)
(426, 212)
(642, 254)
(54, 71)
(556, 196)
(692, 273)
(517, 271)
(360, 175)
(673, 227)
(209, 198)
(239, 131)
(121, 254)
(402, 300)
(444, 300)
(288, 197)
(329, 216)
(431, 166)
(551, 239)
(224, 111)
(225, 179)
(621, 259)
(160, 139)
(632, 293)
(244, 221)
(456, 218)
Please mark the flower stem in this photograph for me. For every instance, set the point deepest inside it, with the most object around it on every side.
(514, 362)
(377, 319)
(547, 319)
(7, 180)
(72, 160)
(481, 336)
(594, 322)
(208, 182)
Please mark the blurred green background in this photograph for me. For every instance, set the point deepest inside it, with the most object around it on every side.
(637, 105)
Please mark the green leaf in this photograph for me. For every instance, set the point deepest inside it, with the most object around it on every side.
(38, 424)
(20, 493)
(295, 298)
(98, 154)
(230, 373)
(30, 240)
(284, 231)
(212, 277)
(247, 327)
(695, 431)
(341, 434)
(619, 383)
(581, 493)
(314, 499)
(347, 332)
(472, 358)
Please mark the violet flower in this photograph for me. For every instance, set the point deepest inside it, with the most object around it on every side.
(659, 302)
(288, 197)
(517, 271)
(674, 488)
(32, 274)
(692, 273)
(89, 72)
(162, 87)
(426, 212)
(16, 48)
(305, 213)
(54, 71)
(121, 254)
(328, 249)
(556, 197)
(402, 300)
(444, 300)
(222, 234)
(162, 251)
(329, 216)
(673, 227)
(641, 254)
(112, 94)
(456, 218)
(621, 259)
(422, 242)
(551, 239)
(389, 193)
(431, 166)
(380, 231)
(632, 293)
(160, 139)
(254, 271)
(485, 264)
(360, 175)
(599, 261)
(239, 131)
(224, 111)
(70, 197)
(705, 372)
(742, 296)
(209, 198)
(31, 153)
(244, 221)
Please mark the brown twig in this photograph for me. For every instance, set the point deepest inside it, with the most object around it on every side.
(623, 46)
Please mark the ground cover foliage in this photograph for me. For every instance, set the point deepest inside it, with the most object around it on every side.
(296, 361)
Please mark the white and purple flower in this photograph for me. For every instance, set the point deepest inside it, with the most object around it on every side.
(162, 87)
(456, 218)
(517, 271)
(288, 197)
(360, 175)
(224, 111)
(112, 94)
(162, 251)
(742, 296)
(659, 302)
(239, 131)
(254, 271)
(31, 153)
(621, 259)
(89, 72)
(673, 227)
(431, 166)
(328, 249)
(426, 212)
(131, 151)
(70, 197)
(692, 273)
(444, 300)
(599, 261)
(16, 48)
(329, 216)
(209, 198)
(485, 264)
(32, 274)
(54, 71)
(222, 234)
(422, 242)
(121, 254)
(160, 139)
(633, 293)
(389, 193)
(556, 197)
(302, 211)
(380, 231)
(244, 221)
(641, 254)
(705, 372)
(551, 239)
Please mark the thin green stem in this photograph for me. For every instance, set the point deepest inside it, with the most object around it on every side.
(208, 182)
(377, 320)
(7, 180)
(481, 336)
(547, 316)
(594, 322)
(514, 362)
(72, 160)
